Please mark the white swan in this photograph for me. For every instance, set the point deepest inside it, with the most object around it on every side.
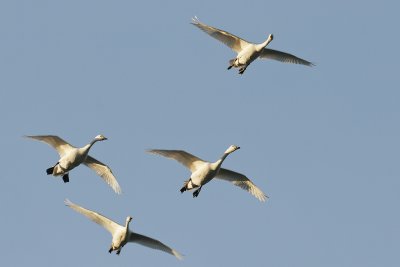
(71, 157)
(121, 234)
(203, 171)
(247, 52)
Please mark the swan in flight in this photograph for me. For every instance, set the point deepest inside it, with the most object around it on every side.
(203, 171)
(71, 157)
(121, 234)
(246, 51)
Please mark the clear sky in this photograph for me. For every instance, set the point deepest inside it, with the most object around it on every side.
(322, 142)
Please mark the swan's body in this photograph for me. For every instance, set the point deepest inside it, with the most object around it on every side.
(246, 51)
(203, 171)
(121, 235)
(71, 157)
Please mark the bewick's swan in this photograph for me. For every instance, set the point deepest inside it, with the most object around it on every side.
(246, 51)
(203, 171)
(71, 157)
(122, 234)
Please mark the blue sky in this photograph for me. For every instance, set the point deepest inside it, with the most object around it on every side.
(322, 142)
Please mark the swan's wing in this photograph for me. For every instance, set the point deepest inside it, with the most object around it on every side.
(108, 224)
(241, 181)
(188, 160)
(235, 43)
(56, 142)
(104, 171)
(153, 243)
(283, 57)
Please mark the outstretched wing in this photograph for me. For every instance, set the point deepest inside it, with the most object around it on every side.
(153, 243)
(188, 160)
(104, 171)
(235, 43)
(283, 57)
(56, 142)
(241, 181)
(108, 224)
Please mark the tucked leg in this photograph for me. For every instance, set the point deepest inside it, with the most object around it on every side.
(197, 192)
(231, 63)
(241, 70)
(184, 187)
(66, 178)
(51, 169)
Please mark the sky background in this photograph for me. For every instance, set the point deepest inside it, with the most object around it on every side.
(323, 142)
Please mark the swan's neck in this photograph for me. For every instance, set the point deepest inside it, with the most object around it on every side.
(261, 46)
(218, 163)
(88, 146)
(127, 226)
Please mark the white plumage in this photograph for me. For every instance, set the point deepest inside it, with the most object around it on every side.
(121, 235)
(71, 157)
(246, 51)
(203, 171)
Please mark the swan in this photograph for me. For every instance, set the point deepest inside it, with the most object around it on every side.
(246, 51)
(121, 234)
(203, 171)
(71, 157)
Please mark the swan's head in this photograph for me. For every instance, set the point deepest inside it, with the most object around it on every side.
(100, 137)
(128, 219)
(231, 149)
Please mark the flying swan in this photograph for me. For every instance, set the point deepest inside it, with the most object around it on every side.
(203, 171)
(71, 157)
(246, 51)
(121, 234)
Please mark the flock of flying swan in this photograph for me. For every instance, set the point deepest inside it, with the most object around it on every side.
(202, 171)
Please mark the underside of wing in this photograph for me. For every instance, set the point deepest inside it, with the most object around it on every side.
(108, 224)
(188, 160)
(242, 181)
(153, 243)
(104, 172)
(56, 142)
(235, 43)
(283, 57)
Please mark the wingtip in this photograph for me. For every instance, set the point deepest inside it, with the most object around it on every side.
(263, 198)
(195, 20)
(67, 202)
(118, 191)
(177, 255)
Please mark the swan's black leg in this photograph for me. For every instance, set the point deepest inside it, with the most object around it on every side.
(197, 192)
(50, 170)
(66, 178)
(232, 63)
(184, 187)
(110, 250)
(118, 251)
(241, 71)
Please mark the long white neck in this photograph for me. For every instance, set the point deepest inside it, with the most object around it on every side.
(261, 46)
(218, 163)
(127, 226)
(88, 146)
